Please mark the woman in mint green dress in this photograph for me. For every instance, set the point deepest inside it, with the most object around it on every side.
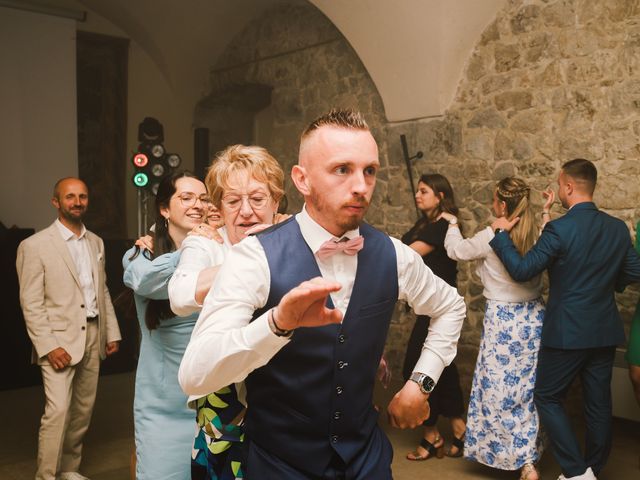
(163, 422)
(633, 350)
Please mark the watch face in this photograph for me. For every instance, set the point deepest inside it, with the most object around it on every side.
(428, 384)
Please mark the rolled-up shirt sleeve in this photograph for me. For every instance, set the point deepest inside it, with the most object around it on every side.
(429, 295)
(225, 345)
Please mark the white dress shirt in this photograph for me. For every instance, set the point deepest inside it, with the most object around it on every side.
(81, 254)
(196, 254)
(225, 346)
(498, 284)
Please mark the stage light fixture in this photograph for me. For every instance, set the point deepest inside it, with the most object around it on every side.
(157, 150)
(150, 130)
(157, 170)
(174, 160)
(151, 160)
(140, 180)
(140, 160)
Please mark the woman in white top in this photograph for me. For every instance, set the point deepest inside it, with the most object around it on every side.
(245, 184)
(502, 422)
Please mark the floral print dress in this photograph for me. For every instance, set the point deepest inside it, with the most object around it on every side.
(502, 423)
(503, 429)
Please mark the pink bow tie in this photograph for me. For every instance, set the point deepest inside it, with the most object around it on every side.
(331, 247)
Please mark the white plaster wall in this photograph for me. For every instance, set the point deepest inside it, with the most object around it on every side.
(37, 114)
(43, 103)
(414, 50)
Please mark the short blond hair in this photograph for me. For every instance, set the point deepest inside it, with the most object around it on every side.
(260, 164)
(341, 118)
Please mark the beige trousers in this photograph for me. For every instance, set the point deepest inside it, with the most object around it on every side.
(70, 394)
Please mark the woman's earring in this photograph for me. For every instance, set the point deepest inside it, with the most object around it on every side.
(166, 222)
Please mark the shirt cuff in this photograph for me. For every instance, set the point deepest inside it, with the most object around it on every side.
(430, 364)
(182, 292)
(259, 337)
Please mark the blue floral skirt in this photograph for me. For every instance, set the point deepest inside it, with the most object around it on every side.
(503, 430)
(217, 447)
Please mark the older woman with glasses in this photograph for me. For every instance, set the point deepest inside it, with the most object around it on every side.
(163, 423)
(246, 184)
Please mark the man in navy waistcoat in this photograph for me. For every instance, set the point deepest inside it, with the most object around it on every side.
(301, 311)
(588, 254)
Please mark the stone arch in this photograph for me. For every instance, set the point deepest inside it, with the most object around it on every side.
(281, 71)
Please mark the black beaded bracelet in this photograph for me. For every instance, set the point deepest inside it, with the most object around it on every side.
(275, 328)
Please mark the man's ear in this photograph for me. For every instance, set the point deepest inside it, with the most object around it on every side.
(55, 203)
(301, 179)
(570, 188)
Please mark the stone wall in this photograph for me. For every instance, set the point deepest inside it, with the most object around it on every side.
(309, 67)
(548, 81)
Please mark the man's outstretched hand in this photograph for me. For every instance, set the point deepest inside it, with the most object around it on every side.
(305, 305)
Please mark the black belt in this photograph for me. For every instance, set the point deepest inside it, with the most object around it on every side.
(91, 319)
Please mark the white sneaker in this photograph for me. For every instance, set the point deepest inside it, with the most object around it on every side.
(587, 475)
(72, 476)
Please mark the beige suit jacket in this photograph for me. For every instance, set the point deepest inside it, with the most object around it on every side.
(52, 299)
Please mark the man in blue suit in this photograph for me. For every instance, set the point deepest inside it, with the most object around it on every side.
(587, 254)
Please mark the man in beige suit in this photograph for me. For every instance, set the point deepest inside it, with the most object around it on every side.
(72, 325)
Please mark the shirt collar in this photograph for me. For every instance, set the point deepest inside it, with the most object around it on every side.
(582, 205)
(314, 234)
(66, 233)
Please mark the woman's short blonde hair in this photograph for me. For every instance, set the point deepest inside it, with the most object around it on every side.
(260, 164)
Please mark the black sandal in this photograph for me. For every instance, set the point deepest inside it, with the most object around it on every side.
(432, 450)
(459, 444)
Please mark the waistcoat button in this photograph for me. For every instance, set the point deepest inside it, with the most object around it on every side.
(339, 390)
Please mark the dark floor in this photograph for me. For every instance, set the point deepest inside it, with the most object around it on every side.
(109, 442)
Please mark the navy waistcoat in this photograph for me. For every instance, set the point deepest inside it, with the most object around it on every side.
(314, 397)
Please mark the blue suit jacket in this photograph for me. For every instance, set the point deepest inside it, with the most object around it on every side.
(588, 254)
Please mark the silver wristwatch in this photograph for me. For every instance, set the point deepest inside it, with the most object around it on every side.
(425, 382)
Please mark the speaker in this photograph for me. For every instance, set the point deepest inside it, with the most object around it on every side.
(201, 151)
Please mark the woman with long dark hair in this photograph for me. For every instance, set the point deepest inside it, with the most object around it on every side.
(435, 197)
(502, 423)
(163, 423)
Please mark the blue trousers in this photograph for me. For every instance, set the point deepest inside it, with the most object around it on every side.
(372, 463)
(557, 370)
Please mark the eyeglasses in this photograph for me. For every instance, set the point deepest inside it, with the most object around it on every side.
(189, 199)
(234, 202)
